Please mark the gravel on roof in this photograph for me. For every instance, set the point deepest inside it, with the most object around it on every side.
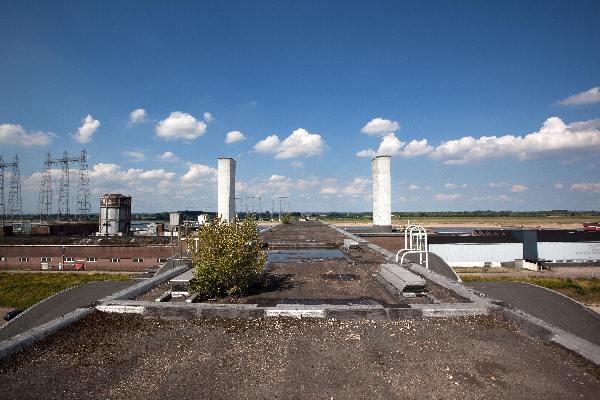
(130, 357)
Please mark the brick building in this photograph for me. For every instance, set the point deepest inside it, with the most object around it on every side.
(88, 253)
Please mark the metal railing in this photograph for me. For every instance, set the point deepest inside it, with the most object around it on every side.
(415, 242)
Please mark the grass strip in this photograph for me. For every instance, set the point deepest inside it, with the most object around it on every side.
(22, 290)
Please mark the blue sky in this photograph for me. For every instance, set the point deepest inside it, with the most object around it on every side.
(333, 80)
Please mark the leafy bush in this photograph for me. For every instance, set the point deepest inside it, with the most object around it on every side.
(228, 259)
(285, 218)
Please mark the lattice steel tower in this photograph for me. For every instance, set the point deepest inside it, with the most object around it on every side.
(83, 190)
(2, 204)
(45, 199)
(63, 191)
(15, 201)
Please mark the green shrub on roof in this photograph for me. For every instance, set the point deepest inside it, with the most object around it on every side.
(228, 258)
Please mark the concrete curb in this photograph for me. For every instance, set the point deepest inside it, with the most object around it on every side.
(142, 287)
(195, 310)
(16, 343)
(538, 328)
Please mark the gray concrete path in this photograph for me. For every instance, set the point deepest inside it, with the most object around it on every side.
(546, 305)
(61, 304)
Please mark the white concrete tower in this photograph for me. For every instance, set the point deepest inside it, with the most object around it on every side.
(226, 190)
(382, 194)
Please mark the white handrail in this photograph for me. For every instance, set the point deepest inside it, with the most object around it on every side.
(416, 237)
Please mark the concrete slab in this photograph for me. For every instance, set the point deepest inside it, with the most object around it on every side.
(401, 279)
(350, 244)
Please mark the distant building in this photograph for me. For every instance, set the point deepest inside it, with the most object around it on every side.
(115, 215)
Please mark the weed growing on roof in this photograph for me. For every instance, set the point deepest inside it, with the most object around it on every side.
(228, 259)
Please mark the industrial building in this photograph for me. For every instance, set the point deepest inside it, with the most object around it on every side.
(502, 247)
(89, 253)
(115, 215)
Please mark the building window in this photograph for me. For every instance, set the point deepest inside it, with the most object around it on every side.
(23, 259)
(2, 258)
(115, 260)
(69, 259)
(92, 259)
(162, 260)
(46, 259)
(138, 260)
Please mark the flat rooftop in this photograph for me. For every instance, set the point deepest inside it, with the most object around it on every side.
(308, 265)
(85, 240)
(131, 357)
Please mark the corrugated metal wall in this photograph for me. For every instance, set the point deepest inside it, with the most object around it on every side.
(473, 253)
(569, 250)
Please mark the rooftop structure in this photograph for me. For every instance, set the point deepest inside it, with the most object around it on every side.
(382, 194)
(226, 189)
(115, 215)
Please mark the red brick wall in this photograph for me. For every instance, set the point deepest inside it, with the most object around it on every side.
(390, 243)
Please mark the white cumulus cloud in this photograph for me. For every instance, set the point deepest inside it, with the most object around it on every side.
(297, 164)
(586, 187)
(168, 156)
(518, 188)
(198, 173)
(137, 116)
(379, 127)
(447, 197)
(156, 174)
(234, 136)
(300, 143)
(498, 184)
(134, 155)
(109, 172)
(554, 137)
(588, 97)
(453, 186)
(392, 146)
(180, 125)
(86, 130)
(15, 135)
(208, 117)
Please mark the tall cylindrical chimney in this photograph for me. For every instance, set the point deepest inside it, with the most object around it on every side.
(382, 194)
(226, 189)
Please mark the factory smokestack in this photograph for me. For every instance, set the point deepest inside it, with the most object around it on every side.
(226, 190)
(382, 194)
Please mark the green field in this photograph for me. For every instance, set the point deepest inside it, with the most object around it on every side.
(584, 290)
(22, 290)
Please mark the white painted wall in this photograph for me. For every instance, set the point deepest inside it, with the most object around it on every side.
(382, 191)
(477, 254)
(569, 250)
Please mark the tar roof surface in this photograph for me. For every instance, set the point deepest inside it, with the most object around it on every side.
(129, 357)
(85, 240)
